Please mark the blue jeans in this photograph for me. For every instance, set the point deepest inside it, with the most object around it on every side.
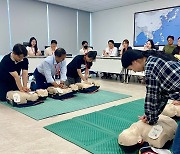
(176, 142)
(41, 82)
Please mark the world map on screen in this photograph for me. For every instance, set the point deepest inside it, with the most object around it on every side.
(156, 25)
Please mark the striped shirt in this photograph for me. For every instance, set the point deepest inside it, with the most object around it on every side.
(162, 83)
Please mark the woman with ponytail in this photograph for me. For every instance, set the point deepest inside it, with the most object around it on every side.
(162, 75)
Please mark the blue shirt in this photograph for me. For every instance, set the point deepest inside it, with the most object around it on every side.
(48, 69)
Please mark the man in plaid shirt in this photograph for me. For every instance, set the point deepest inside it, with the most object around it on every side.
(162, 74)
(162, 83)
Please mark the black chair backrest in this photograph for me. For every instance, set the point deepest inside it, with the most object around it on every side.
(46, 46)
(25, 44)
(117, 45)
(156, 47)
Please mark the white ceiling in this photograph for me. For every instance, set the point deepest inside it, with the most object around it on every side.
(94, 5)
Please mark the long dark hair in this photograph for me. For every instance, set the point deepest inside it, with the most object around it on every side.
(152, 44)
(129, 56)
(35, 47)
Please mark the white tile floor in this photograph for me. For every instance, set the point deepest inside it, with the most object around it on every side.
(20, 134)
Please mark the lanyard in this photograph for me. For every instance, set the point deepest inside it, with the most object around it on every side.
(86, 63)
(57, 69)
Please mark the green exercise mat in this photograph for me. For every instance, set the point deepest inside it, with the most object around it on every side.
(52, 107)
(98, 132)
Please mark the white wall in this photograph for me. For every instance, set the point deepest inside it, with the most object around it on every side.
(29, 18)
(4, 31)
(83, 27)
(63, 27)
(118, 23)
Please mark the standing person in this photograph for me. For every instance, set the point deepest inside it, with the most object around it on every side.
(162, 75)
(11, 66)
(170, 46)
(78, 65)
(125, 47)
(45, 72)
(50, 50)
(110, 50)
(149, 45)
(32, 47)
(85, 48)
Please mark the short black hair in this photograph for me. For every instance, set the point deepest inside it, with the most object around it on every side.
(20, 49)
(129, 56)
(92, 54)
(53, 41)
(83, 42)
(59, 52)
(172, 37)
(178, 38)
(111, 41)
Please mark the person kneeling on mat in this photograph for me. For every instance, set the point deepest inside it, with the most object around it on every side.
(162, 79)
(45, 72)
(10, 68)
(79, 64)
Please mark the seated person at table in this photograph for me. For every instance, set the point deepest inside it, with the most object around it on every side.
(149, 45)
(85, 48)
(110, 50)
(79, 64)
(170, 47)
(10, 67)
(125, 47)
(45, 72)
(32, 48)
(176, 51)
(50, 50)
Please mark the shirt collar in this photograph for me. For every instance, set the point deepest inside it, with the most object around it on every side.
(12, 58)
(54, 60)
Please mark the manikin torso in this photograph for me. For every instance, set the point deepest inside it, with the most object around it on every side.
(138, 133)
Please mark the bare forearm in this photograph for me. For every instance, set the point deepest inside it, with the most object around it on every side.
(18, 82)
(25, 79)
(80, 75)
(86, 74)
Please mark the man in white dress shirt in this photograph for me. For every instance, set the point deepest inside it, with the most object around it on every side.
(50, 50)
(45, 72)
(110, 51)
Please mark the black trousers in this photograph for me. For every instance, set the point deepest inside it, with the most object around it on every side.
(71, 80)
(41, 82)
(6, 86)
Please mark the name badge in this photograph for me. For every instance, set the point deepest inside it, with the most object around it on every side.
(155, 132)
(16, 98)
(59, 90)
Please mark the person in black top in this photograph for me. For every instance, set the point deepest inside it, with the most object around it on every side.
(176, 51)
(125, 47)
(79, 64)
(10, 68)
